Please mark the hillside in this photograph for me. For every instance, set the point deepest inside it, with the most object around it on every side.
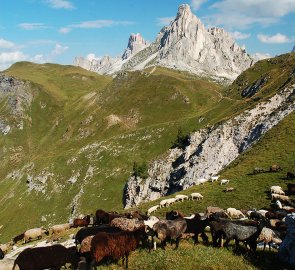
(82, 132)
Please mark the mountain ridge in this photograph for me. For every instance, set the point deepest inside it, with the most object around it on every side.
(185, 45)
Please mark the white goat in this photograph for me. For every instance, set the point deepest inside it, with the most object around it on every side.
(224, 181)
(197, 196)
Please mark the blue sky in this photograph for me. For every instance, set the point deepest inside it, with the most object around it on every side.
(58, 30)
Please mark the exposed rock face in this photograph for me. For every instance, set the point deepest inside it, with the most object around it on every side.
(185, 45)
(19, 97)
(287, 249)
(209, 150)
(136, 43)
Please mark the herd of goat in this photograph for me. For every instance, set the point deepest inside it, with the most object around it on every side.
(110, 235)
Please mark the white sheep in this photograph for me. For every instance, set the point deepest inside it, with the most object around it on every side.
(181, 197)
(33, 234)
(268, 236)
(202, 180)
(224, 181)
(280, 197)
(197, 196)
(59, 228)
(262, 212)
(152, 220)
(214, 178)
(163, 203)
(170, 201)
(279, 204)
(277, 190)
(152, 209)
(234, 213)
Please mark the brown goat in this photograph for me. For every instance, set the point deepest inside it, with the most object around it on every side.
(115, 246)
(81, 222)
(103, 217)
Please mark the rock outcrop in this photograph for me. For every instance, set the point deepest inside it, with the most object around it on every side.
(186, 45)
(209, 150)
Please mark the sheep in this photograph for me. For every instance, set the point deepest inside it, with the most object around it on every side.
(279, 204)
(34, 233)
(151, 221)
(103, 217)
(86, 247)
(224, 181)
(162, 203)
(115, 246)
(197, 196)
(234, 213)
(275, 168)
(152, 209)
(195, 225)
(55, 229)
(181, 197)
(202, 181)
(254, 215)
(81, 222)
(126, 224)
(280, 197)
(262, 212)
(268, 236)
(87, 231)
(277, 190)
(170, 201)
(230, 189)
(168, 230)
(214, 178)
(136, 214)
(213, 209)
(53, 257)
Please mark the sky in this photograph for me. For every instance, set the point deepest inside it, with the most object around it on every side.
(59, 30)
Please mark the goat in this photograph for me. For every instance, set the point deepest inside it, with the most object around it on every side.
(268, 236)
(197, 196)
(195, 225)
(115, 246)
(214, 178)
(224, 181)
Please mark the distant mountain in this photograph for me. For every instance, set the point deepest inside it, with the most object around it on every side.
(184, 45)
(293, 49)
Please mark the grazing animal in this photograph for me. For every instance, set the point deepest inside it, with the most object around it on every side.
(258, 170)
(254, 215)
(214, 178)
(197, 196)
(230, 189)
(103, 217)
(268, 236)
(275, 168)
(224, 182)
(169, 230)
(202, 180)
(115, 246)
(181, 197)
(280, 197)
(56, 229)
(136, 214)
(151, 221)
(170, 201)
(18, 238)
(88, 231)
(54, 257)
(34, 234)
(213, 209)
(195, 225)
(247, 234)
(81, 222)
(1, 254)
(126, 224)
(152, 209)
(162, 203)
(234, 213)
(290, 175)
(291, 189)
(277, 190)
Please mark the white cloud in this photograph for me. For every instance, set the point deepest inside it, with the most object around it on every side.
(242, 14)
(65, 30)
(32, 26)
(59, 49)
(60, 4)
(239, 35)
(277, 38)
(91, 56)
(260, 56)
(164, 21)
(99, 24)
(39, 58)
(196, 4)
(5, 44)
(11, 57)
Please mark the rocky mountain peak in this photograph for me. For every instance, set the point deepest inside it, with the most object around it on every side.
(135, 44)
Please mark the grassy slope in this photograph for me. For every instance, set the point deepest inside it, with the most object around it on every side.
(156, 100)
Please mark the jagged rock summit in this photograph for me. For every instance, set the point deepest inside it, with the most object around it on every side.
(186, 45)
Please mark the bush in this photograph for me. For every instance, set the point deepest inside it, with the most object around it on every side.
(140, 170)
(181, 140)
